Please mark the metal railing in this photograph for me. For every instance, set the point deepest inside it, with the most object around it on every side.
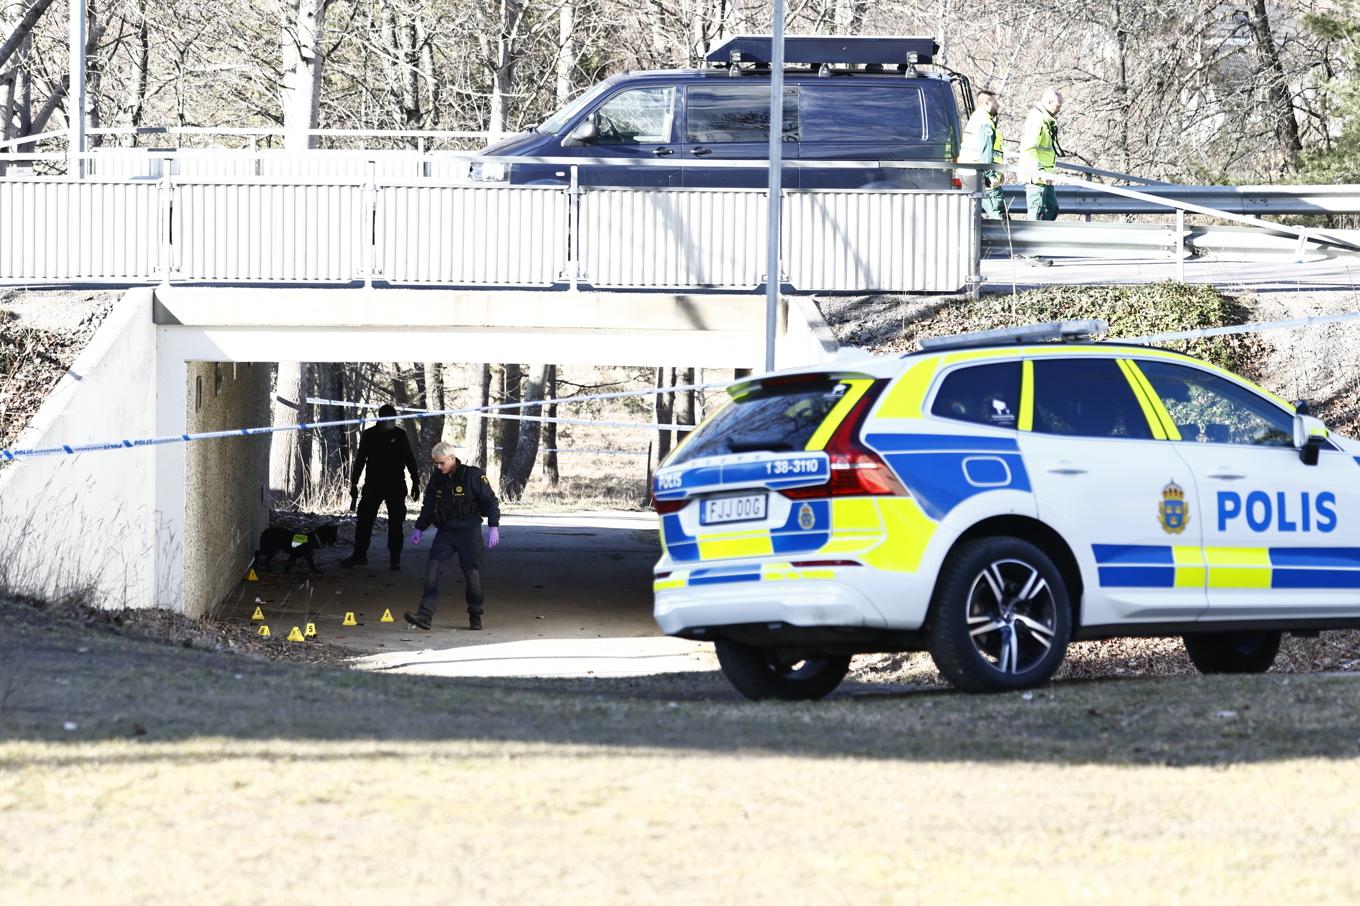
(404, 230)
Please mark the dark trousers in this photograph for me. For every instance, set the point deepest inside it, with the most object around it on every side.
(1042, 202)
(468, 545)
(374, 496)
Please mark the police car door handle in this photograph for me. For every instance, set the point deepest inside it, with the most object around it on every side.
(1067, 470)
(1226, 476)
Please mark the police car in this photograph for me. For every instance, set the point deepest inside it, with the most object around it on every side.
(995, 496)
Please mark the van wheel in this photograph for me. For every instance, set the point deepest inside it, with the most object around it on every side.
(1001, 617)
(1232, 652)
(765, 673)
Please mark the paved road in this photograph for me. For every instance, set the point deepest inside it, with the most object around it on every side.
(1339, 273)
(566, 595)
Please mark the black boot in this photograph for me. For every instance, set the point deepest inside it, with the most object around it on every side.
(396, 563)
(474, 620)
(354, 560)
(419, 620)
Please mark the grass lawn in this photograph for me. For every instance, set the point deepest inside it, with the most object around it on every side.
(194, 775)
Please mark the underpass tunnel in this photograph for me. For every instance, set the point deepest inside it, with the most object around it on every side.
(566, 571)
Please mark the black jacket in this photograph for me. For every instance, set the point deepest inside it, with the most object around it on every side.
(459, 500)
(385, 450)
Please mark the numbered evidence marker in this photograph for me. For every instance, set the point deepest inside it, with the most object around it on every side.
(258, 614)
(310, 631)
(295, 635)
(349, 619)
(264, 630)
(387, 617)
(251, 577)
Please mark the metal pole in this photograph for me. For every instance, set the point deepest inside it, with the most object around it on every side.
(75, 98)
(776, 162)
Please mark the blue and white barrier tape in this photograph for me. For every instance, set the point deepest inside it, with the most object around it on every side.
(10, 455)
(1252, 327)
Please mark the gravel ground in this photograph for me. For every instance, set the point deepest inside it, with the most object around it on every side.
(41, 334)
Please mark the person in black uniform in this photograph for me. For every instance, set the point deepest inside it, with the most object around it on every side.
(456, 498)
(384, 450)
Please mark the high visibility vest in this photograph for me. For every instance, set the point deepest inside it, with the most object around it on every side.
(1038, 153)
(974, 146)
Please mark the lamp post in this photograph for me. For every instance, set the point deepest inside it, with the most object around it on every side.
(776, 164)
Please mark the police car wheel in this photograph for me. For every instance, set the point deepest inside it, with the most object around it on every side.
(1001, 617)
(1232, 652)
(763, 673)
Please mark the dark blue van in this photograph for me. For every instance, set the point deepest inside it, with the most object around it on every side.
(845, 99)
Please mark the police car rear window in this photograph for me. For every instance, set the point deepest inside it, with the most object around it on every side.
(773, 419)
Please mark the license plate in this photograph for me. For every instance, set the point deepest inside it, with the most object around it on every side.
(746, 508)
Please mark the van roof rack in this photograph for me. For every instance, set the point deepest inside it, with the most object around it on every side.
(1065, 331)
(759, 49)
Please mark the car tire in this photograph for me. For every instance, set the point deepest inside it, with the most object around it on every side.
(762, 673)
(1233, 652)
(1001, 618)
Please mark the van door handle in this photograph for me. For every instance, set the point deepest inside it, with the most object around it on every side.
(700, 152)
(1224, 475)
(663, 152)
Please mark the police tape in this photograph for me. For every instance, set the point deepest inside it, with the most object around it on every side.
(1250, 327)
(12, 454)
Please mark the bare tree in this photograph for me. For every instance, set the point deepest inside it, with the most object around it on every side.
(300, 40)
(515, 473)
(287, 462)
(550, 471)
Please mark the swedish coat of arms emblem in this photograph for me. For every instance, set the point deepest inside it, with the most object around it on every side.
(1174, 511)
(806, 518)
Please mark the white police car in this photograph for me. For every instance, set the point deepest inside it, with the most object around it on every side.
(991, 498)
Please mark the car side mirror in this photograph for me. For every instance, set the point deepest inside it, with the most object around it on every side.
(585, 132)
(1309, 436)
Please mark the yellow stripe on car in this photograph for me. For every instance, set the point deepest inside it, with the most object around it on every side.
(1026, 420)
(909, 531)
(822, 436)
(907, 396)
(727, 547)
(1190, 570)
(1238, 567)
(1148, 402)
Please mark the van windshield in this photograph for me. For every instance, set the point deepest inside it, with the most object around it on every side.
(558, 121)
(774, 419)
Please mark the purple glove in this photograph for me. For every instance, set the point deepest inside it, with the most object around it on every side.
(493, 537)
(415, 538)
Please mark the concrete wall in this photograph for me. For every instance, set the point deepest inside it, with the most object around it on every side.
(225, 481)
(87, 523)
(803, 337)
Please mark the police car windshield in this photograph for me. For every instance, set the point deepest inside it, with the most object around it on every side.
(772, 419)
(558, 121)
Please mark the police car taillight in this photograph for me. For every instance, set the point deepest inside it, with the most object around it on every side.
(856, 471)
(663, 507)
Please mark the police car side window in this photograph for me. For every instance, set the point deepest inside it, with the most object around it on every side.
(984, 394)
(1086, 398)
(1212, 409)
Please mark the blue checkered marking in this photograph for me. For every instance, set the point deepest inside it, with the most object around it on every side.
(943, 470)
(1135, 565)
(1315, 567)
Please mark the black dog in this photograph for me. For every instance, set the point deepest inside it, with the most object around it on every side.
(277, 539)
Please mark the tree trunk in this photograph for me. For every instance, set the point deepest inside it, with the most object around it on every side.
(1277, 84)
(550, 431)
(511, 392)
(566, 53)
(286, 460)
(503, 67)
(515, 476)
(688, 415)
(300, 44)
(665, 412)
(17, 37)
(478, 442)
(134, 106)
(432, 427)
(401, 397)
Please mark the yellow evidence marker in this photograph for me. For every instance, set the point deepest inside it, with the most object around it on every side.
(310, 631)
(264, 630)
(258, 614)
(295, 635)
(349, 619)
(251, 577)
(387, 617)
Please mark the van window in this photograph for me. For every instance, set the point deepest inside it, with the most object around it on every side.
(735, 113)
(983, 394)
(639, 116)
(861, 113)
